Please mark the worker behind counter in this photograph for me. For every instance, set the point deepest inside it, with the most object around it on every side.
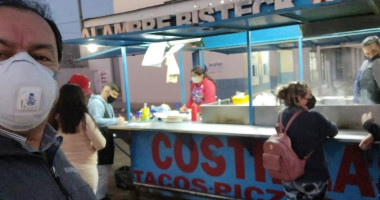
(366, 88)
(202, 89)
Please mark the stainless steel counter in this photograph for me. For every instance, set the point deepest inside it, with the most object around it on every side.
(344, 135)
(344, 116)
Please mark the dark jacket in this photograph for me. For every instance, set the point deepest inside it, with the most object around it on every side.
(372, 128)
(366, 88)
(39, 175)
(308, 132)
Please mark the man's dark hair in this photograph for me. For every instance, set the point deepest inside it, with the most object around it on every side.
(371, 40)
(43, 11)
(114, 87)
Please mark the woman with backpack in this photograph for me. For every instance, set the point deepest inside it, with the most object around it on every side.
(308, 132)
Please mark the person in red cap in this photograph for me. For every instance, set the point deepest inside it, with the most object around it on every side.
(83, 81)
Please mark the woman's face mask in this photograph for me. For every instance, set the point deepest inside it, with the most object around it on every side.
(311, 102)
(196, 79)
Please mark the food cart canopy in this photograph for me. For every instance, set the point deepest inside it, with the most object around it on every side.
(317, 22)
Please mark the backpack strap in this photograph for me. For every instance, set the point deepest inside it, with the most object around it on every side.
(291, 119)
(288, 125)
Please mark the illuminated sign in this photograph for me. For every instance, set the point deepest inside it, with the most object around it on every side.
(206, 15)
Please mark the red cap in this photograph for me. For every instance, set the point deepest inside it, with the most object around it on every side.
(81, 80)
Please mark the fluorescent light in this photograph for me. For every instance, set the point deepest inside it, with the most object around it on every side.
(92, 47)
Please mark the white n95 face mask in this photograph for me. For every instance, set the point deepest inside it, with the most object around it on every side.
(27, 92)
(196, 79)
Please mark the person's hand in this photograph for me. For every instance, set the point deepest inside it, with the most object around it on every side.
(366, 117)
(120, 120)
(182, 109)
(367, 142)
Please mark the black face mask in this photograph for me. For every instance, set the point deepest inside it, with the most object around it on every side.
(110, 99)
(311, 103)
(374, 58)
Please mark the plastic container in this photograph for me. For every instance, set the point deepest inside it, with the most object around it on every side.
(145, 113)
(240, 99)
(138, 115)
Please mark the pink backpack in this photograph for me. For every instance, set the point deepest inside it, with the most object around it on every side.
(279, 158)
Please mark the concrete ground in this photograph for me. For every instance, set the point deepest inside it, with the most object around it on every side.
(120, 160)
(115, 193)
(141, 193)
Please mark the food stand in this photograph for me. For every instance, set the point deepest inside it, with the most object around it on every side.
(197, 160)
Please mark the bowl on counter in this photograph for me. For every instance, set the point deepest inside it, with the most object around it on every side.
(240, 99)
(171, 116)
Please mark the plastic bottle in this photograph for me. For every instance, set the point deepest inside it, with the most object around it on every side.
(145, 115)
(194, 113)
(138, 115)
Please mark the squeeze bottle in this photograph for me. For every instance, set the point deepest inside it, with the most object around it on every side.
(194, 113)
(145, 114)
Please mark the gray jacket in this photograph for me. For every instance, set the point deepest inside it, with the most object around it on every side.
(97, 107)
(39, 175)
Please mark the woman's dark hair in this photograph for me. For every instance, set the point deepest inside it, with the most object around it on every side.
(69, 110)
(198, 70)
(290, 93)
(43, 11)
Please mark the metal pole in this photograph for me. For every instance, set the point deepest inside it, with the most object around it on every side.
(201, 58)
(181, 77)
(300, 58)
(201, 194)
(251, 111)
(126, 86)
(80, 13)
